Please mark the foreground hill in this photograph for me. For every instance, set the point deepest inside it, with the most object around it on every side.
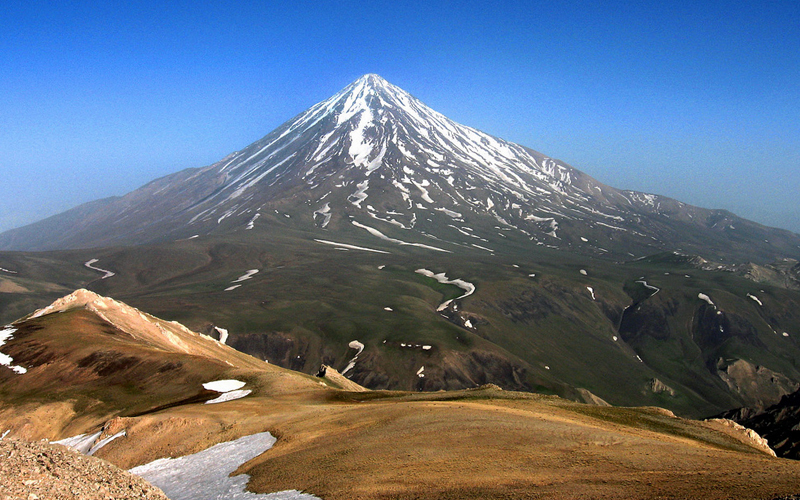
(66, 474)
(86, 359)
(78, 368)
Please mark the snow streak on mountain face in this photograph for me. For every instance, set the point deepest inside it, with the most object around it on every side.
(375, 161)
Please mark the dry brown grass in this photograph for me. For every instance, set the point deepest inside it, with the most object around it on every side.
(466, 445)
(484, 443)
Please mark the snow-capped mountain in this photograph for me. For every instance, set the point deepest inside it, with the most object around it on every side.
(372, 159)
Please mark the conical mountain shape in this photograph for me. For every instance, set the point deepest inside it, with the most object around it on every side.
(374, 159)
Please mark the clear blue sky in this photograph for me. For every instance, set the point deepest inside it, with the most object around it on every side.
(695, 100)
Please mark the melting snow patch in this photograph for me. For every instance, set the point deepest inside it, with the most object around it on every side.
(450, 213)
(355, 344)
(755, 299)
(706, 298)
(246, 276)
(468, 287)
(7, 271)
(234, 287)
(360, 195)
(584, 240)
(351, 247)
(325, 212)
(583, 272)
(614, 338)
(591, 290)
(229, 388)
(382, 236)
(428, 348)
(649, 287)
(251, 222)
(224, 385)
(388, 309)
(420, 373)
(5, 359)
(229, 396)
(424, 192)
(223, 334)
(90, 265)
(105, 441)
(358, 346)
(207, 474)
(483, 248)
(81, 443)
(785, 334)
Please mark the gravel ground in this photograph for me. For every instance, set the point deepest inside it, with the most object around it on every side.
(40, 470)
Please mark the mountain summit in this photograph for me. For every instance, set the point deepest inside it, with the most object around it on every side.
(374, 159)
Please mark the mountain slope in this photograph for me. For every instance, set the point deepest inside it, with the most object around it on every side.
(635, 333)
(86, 359)
(373, 159)
(372, 218)
(479, 443)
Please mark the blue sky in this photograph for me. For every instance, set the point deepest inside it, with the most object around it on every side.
(695, 100)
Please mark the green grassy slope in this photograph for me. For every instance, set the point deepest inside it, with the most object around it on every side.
(543, 333)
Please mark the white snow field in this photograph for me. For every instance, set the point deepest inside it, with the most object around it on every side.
(206, 475)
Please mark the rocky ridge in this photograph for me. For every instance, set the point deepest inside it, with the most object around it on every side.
(40, 470)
